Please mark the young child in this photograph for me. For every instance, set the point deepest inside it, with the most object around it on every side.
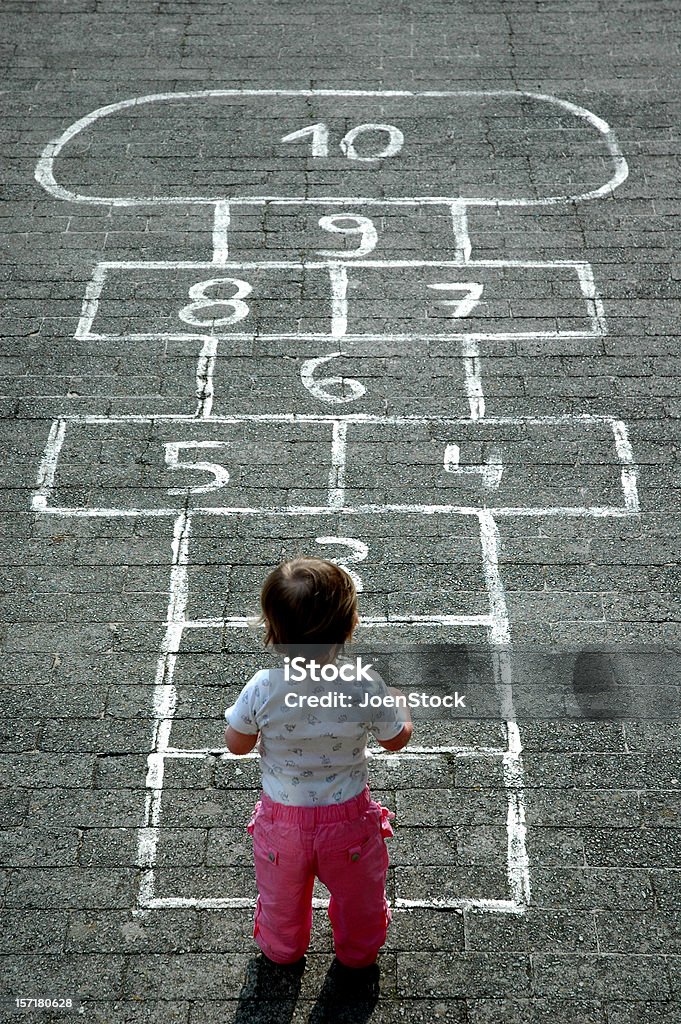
(315, 817)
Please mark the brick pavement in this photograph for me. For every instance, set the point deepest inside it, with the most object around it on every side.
(85, 623)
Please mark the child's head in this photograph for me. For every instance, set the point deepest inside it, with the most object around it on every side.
(308, 604)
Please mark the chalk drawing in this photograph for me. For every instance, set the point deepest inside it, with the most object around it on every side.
(362, 226)
(618, 166)
(213, 317)
(359, 551)
(588, 305)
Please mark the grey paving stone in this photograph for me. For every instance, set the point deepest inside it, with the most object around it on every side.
(23, 847)
(70, 976)
(69, 887)
(652, 1012)
(590, 888)
(538, 1010)
(602, 977)
(113, 932)
(132, 1011)
(86, 808)
(38, 931)
(534, 931)
(450, 975)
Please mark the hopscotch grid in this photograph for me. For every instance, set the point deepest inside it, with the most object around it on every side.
(496, 623)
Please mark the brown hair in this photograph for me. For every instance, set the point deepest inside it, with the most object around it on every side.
(308, 608)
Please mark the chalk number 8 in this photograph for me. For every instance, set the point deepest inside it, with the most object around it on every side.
(238, 308)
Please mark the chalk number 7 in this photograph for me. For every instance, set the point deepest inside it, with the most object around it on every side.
(471, 293)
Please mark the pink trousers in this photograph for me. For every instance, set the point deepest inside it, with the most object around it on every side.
(343, 845)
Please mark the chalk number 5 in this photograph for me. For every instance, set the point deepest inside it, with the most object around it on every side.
(173, 461)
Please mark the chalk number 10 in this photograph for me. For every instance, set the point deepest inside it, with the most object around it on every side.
(319, 140)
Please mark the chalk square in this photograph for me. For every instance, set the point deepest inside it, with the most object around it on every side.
(411, 567)
(536, 465)
(484, 299)
(168, 463)
(172, 299)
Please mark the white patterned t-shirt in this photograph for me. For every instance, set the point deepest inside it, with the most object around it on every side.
(311, 755)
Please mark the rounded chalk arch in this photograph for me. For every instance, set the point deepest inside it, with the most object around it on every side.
(303, 146)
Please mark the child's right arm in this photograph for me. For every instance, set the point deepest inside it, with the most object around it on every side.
(403, 737)
(244, 712)
(239, 742)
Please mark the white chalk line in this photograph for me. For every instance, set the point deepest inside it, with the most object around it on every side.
(368, 621)
(339, 300)
(461, 235)
(165, 704)
(594, 301)
(574, 511)
(629, 468)
(205, 371)
(44, 172)
(400, 905)
(329, 339)
(472, 369)
(48, 466)
(500, 632)
(517, 859)
(338, 464)
(221, 222)
(329, 264)
(414, 753)
(585, 418)
(93, 291)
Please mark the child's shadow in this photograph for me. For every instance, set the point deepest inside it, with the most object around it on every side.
(341, 1002)
(269, 995)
